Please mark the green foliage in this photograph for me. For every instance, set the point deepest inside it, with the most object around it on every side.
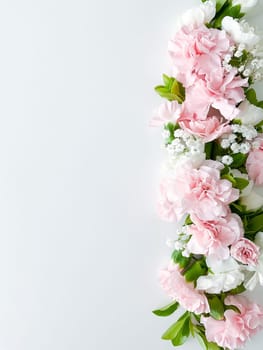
(167, 310)
(196, 269)
(216, 307)
(254, 224)
(240, 61)
(171, 128)
(179, 259)
(252, 98)
(199, 333)
(179, 331)
(220, 4)
(172, 89)
(188, 220)
(238, 290)
(239, 160)
(237, 182)
(209, 150)
(225, 8)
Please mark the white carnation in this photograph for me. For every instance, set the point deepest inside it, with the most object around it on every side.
(226, 276)
(240, 32)
(254, 199)
(199, 15)
(249, 114)
(245, 4)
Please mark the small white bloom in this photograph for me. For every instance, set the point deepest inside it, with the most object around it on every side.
(232, 137)
(245, 4)
(225, 143)
(178, 133)
(236, 127)
(199, 15)
(247, 72)
(240, 32)
(227, 160)
(244, 147)
(249, 114)
(238, 54)
(235, 147)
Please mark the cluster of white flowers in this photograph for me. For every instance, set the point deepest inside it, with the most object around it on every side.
(248, 42)
(184, 143)
(239, 141)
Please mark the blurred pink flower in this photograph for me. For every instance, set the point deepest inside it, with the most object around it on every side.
(245, 251)
(165, 113)
(236, 328)
(183, 292)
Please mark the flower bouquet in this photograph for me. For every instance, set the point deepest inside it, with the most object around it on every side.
(212, 182)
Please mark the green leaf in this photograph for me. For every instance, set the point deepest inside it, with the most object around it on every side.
(216, 308)
(209, 149)
(166, 80)
(238, 208)
(188, 220)
(202, 340)
(220, 4)
(234, 12)
(173, 331)
(230, 178)
(179, 259)
(252, 98)
(196, 270)
(232, 307)
(241, 183)
(171, 90)
(213, 346)
(239, 159)
(255, 224)
(167, 310)
(226, 10)
(183, 335)
(238, 290)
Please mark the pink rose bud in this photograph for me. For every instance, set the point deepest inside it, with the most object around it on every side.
(245, 251)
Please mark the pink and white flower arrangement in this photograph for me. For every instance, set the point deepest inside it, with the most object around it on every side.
(212, 182)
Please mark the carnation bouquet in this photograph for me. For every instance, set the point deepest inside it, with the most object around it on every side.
(212, 180)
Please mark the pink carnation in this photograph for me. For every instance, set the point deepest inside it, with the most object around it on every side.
(197, 191)
(212, 238)
(254, 163)
(245, 251)
(197, 52)
(236, 328)
(183, 292)
(209, 129)
(227, 91)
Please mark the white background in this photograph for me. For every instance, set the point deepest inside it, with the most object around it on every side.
(80, 242)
